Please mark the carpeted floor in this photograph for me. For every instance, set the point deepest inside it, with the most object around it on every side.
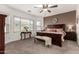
(29, 47)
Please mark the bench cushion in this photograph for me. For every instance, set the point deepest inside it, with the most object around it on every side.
(45, 38)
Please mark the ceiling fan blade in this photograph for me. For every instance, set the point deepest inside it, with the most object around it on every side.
(49, 11)
(53, 6)
(41, 11)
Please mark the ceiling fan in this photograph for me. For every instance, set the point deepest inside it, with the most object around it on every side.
(45, 7)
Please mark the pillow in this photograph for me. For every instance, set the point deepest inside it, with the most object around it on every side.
(59, 30)
(51, 30)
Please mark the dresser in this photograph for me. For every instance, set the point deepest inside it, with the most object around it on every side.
(71, 36)
(2, 33)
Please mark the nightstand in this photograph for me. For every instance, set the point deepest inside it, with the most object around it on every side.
(71, 36)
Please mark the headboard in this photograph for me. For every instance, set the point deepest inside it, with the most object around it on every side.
(57, 26)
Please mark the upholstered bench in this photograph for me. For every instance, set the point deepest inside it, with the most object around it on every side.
(47, 40)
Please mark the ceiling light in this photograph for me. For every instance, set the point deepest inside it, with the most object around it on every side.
(44, 9)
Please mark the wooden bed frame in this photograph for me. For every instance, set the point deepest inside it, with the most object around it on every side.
(56, 38)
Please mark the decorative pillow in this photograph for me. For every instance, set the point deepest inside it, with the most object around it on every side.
(59, 30)
(51, 30)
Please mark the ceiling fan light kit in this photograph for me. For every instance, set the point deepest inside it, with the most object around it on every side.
(45, 7)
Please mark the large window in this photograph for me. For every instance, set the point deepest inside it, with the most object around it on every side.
(19, 23)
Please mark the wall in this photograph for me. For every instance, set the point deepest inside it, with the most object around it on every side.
(11, 36)
(77, 23)
(65, 18)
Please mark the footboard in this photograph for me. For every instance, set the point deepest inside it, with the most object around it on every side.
(56, 38)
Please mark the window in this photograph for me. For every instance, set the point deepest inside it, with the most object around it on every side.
(17, 24)
(26, 23)
(31, 25)
(21, 23)
(38, 24)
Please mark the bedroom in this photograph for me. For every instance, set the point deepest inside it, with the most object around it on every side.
(62, 15)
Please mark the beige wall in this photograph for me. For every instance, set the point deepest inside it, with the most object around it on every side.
(64, 18)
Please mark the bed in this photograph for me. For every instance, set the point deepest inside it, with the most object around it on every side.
(57, 37)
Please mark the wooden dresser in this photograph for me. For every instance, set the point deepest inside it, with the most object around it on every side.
(2, 33)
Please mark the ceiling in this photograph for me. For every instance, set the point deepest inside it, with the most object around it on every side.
(62, 8)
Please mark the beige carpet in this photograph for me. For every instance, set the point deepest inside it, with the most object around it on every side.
(29, 47)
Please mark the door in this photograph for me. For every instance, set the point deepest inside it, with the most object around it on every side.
(2, 33)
